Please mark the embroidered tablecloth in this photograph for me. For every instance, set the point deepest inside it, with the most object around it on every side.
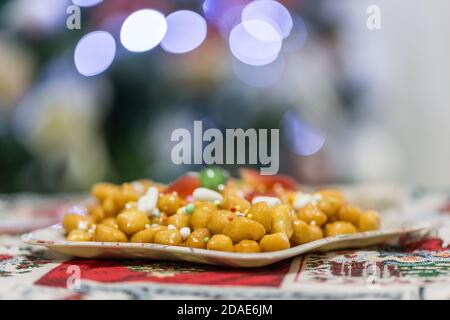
(416, 268)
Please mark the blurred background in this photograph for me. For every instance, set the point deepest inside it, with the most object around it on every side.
(100, 103)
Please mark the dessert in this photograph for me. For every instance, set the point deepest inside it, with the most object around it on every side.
(212, 211)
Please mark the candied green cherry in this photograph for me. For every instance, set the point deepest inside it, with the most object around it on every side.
(212, 178)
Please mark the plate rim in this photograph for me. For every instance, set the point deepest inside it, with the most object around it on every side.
(29, 239)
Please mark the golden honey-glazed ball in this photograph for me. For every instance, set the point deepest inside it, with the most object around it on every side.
(198, 238)
(79, 235)
(170, 237)
(103, 190)
(158, 227)
(201, 214)
(129, 193)
(96, 212)
(274, 242)
(144, 236)
(148, 234)
(349, 213)
(242, 228)
(220, 242)
(77, 222)
(312, 215)
(247, 246)
(111, 207)
(107, 234)
(281, 220)
(131, 221)
(235, 204)
(262, 213)
(169, 203)
(160, 218)
(179, 220)
(304, 233)
(219, 220)
(110, 222)
(330, 202)
(369, 221)
(339, 227)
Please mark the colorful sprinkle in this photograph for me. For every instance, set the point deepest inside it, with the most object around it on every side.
(156, 213)
(189, 209)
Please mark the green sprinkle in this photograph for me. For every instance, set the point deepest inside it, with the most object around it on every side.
(156, 213)
(189, 209)
(212, 178)
(217, 202)
(206, 239)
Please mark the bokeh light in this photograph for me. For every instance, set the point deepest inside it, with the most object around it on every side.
(224, 15)
(301, 138)
(259, 76)
(186, 30)
(94, 53)
(255, 42)
(86, 3)
(298, 36)
(271, 12)
(143, 30)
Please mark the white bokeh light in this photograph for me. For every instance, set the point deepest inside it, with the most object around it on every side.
(224, 14)
(186, 30)
(255, 42)
(302, 138)
(94, 53)
(298, 36)
(86, 3)
(143, 30)
(270, 11)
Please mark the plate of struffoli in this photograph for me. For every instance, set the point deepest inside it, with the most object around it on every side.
(212, 218)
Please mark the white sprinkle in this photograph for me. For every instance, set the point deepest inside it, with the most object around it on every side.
(138, 186)
(302, 199)
(92, 229)
(185, 232)
(239, 214)
(316, 197)
(171, 227)
(204, 194)
(271, 201)
(128, 206)
(83, 225)
(147, 203)
(147, 226)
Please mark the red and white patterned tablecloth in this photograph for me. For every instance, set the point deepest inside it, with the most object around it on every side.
(419, 268)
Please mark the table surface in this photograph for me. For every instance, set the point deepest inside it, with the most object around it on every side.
(418, 268)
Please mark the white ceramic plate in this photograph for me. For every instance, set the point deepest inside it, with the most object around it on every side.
(53, 238)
